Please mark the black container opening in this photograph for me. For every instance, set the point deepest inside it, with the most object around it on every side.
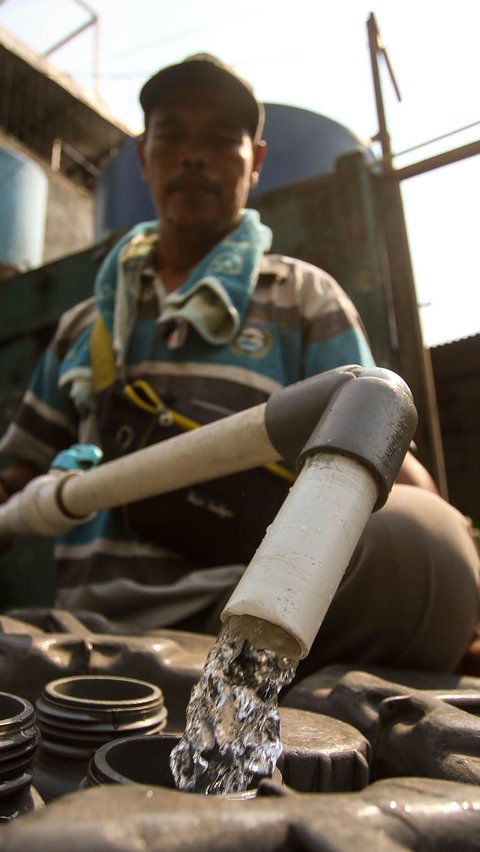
(103, 689)
(10, 706)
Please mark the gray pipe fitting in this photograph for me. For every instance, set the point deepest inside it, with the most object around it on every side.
(366, 413)
(292, 413)
(372, 420)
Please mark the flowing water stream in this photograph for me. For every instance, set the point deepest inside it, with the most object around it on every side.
(232, 733)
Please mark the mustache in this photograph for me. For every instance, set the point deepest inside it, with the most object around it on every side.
(193, 182)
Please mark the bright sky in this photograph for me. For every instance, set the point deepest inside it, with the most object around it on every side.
(314, 54)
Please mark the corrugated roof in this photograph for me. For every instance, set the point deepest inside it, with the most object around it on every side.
(39, 104)
(457, 358)
(470, 337)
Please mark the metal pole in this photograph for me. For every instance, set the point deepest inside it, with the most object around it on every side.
(92, 22)
(436, 162)
(383, 135)
(413, 358)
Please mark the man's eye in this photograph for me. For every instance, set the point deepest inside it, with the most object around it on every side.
(166, 136)
(224, 139)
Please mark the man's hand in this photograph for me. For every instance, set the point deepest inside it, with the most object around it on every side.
(16, 477)
(5, 544)
(13, 479)
(412, 472)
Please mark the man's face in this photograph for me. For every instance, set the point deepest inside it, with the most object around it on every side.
(199, 161)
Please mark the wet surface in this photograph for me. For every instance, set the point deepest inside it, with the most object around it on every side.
(397, 752)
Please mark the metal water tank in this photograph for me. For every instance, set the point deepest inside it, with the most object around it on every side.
(301, 144)
(23, 209)
(122, 198)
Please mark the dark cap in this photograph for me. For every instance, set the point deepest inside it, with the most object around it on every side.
(206, 69)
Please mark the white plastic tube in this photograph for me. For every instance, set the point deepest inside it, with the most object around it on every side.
(226, 446)
(53, 504)
(297, 568)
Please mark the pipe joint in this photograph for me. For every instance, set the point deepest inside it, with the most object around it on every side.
(371, 420)
(38, 509)
(292, 413)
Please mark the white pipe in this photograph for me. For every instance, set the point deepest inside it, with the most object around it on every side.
(226, 446)
(297, 568)
(35, 510)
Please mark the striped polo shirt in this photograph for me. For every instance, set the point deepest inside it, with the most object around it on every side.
(299, 323)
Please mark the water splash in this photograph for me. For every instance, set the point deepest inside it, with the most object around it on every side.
(232, 733)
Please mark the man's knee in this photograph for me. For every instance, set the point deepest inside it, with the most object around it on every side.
(410, 594)
(421, 528)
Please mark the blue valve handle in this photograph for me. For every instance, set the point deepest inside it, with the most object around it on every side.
(78, 457)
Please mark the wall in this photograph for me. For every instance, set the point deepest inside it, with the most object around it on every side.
(456, 369)
(31, 306)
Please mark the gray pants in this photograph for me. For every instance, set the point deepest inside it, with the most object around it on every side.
(409, 597)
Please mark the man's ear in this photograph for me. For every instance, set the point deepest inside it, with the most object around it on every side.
(259, 154)
(141, 154)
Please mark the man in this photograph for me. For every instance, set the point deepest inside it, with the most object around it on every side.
(191, 320)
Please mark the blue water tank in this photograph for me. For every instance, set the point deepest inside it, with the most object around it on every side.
(122, 197)
(23, 210)
(301, 144)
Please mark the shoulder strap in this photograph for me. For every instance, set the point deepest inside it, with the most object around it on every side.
(104, 369)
